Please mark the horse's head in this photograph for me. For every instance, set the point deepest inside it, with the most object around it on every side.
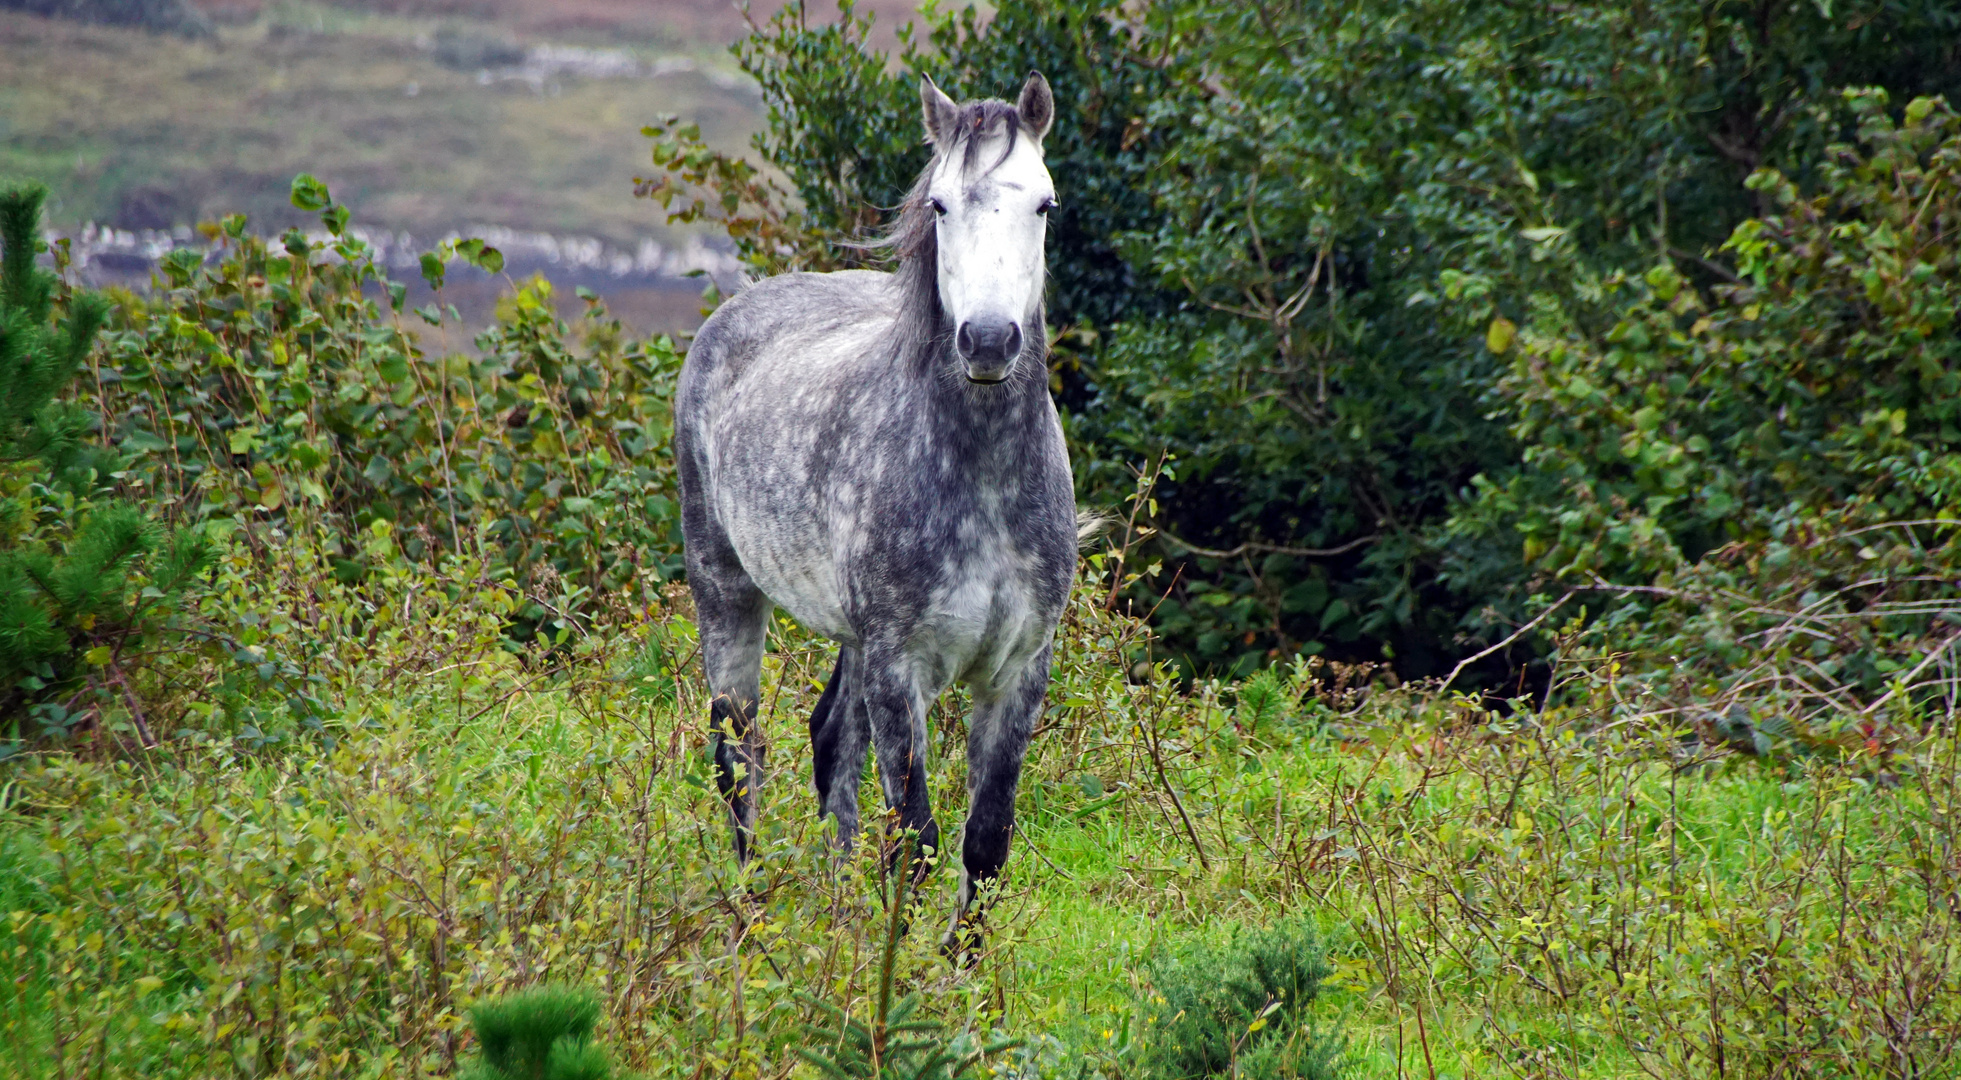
(990, 195)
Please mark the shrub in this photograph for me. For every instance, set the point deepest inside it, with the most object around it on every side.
(288, 386)
(1285, 236)
(1243, 1009)
(1761, 475)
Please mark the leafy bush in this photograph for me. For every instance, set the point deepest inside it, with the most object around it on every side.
(1243, 1010)
(306, 469)
(272, 387)
(1762, 474)
(1286, 235)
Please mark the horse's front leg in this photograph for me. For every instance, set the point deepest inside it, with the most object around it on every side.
(997, 742)
(734, 620)
(895, 709)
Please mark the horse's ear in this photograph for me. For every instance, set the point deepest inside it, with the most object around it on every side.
(1037, 105)
(941, 115)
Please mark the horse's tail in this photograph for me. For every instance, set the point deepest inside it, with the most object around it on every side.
(1091, 524)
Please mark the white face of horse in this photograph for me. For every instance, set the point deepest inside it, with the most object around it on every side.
(992, 202)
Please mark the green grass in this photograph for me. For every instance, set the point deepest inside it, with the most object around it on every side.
(1524, 901)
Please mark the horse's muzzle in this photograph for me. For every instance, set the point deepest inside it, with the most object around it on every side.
(989, 345)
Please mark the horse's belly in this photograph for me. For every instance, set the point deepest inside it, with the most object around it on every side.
(796, 573)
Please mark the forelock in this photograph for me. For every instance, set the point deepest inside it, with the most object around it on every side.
(979, 121)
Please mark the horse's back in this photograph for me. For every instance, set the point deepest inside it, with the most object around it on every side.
(768, 318)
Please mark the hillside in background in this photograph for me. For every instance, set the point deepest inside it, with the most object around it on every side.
(424, 117)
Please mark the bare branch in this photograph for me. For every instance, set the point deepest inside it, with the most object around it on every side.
(1516, 634)
(1276, 549)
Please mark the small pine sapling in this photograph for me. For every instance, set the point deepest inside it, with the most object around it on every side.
(541, 1034)
(1242, 1010)
(66, 564)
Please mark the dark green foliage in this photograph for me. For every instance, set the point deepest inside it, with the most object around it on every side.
(900, 1047)
(542, 1034)
(1294, 238)
(1243, 1010)
(1759, 478)
(84, 580)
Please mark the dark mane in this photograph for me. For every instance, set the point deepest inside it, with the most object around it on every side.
(914, 240)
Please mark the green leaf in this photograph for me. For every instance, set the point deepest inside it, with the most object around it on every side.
(309, 193)
(1499, 337)
(335, 218)
(432, 272)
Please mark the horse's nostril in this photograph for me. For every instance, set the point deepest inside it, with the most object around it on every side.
(965, 339)
(1014, 340)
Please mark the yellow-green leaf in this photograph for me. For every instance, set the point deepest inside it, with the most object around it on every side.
(1499, 337)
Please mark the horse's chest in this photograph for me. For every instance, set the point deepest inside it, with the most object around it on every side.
(986, 619)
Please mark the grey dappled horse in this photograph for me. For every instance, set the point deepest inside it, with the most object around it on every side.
(877, 454)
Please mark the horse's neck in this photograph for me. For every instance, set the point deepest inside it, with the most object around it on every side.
(993, 431)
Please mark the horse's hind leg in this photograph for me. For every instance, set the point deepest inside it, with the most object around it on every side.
(997, 742)
(734, 619)
(840, 735)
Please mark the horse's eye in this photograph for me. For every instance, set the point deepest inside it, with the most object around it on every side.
(939, 207)
(1048, 204)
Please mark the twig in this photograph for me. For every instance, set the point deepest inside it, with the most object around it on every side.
(1516, 634)
(1151, 744)
(136, 711)
(1253, 545)
(1918, 668)
(1715, 268)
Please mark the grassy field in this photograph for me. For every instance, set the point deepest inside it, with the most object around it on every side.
(1575, 894)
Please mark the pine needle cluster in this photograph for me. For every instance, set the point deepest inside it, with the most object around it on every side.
(37, 357)
(1243, 1010)
(541, 1034)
